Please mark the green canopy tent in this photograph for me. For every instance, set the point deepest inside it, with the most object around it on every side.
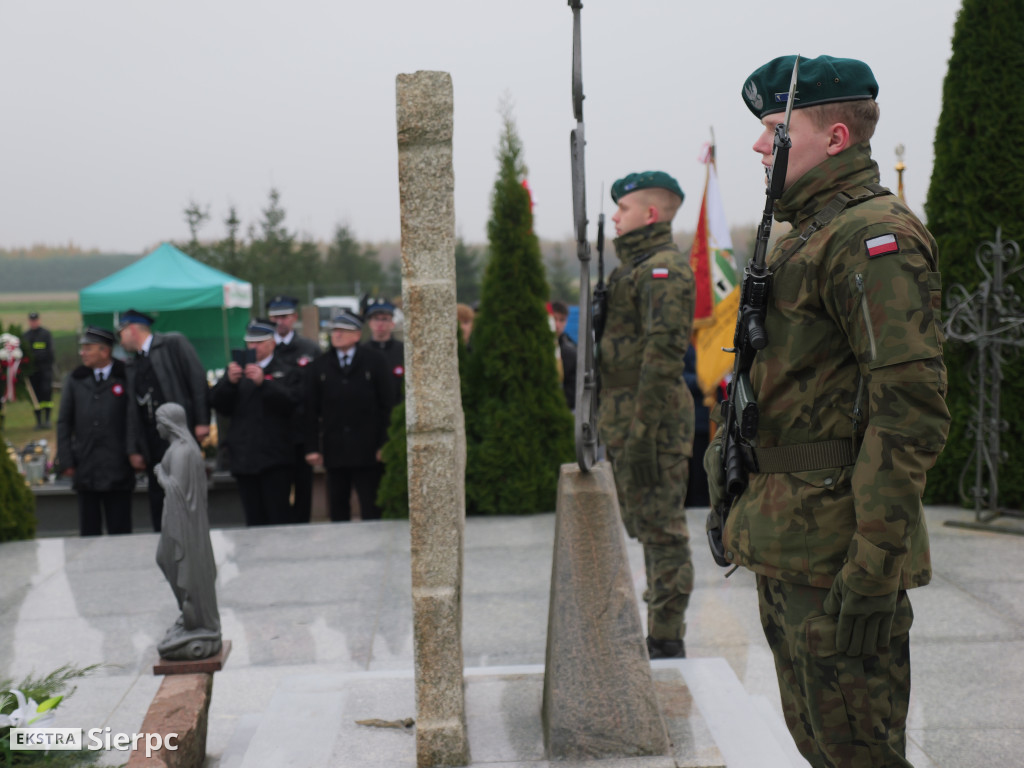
(208, 306)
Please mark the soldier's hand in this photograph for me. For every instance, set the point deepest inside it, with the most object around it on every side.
(863, 623)
(234, 372)
(641, 455)
(137, 461)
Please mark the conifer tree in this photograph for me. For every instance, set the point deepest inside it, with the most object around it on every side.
(352, 266)
(17, 504)
(518, 429)
(277, 257)
(467, 273)
(977, 185)
(393, 493)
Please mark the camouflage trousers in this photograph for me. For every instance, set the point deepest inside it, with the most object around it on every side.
(843, 711)
(656, 518)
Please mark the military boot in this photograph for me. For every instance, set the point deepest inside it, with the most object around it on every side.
(39, 420)
(666, 649)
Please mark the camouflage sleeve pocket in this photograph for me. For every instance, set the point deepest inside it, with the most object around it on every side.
(935, 293)
(893, 311)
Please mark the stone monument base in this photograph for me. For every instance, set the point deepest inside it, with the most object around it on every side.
(352, 720)
(599, 698)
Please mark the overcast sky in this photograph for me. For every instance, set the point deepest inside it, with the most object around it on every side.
(117, 113)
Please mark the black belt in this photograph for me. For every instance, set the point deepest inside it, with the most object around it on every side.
(626, 378)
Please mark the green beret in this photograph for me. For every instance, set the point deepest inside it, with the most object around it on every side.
(820, 81)
(646, 180)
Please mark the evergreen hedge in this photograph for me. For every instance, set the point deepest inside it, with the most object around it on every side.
(518, 428)
(977, 185)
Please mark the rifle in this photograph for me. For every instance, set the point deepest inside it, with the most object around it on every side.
(586, 374)
(740, 407)
(599, 305)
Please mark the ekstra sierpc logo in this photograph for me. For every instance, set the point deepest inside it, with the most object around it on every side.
(73, 739)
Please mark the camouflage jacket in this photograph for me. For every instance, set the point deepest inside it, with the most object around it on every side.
(647, 331)
(854, 354)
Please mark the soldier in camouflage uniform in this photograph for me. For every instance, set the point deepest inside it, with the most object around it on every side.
(852, 415)
(646, 410)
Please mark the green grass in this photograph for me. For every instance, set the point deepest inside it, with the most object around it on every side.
(20, 422)
(58, 310)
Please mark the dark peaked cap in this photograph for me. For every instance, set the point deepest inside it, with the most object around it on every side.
(133, 316)
(93, 334)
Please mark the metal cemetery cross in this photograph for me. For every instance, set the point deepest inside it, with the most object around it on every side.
(991, 319)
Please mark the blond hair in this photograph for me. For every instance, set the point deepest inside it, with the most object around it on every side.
(666, 202)
(860, 117)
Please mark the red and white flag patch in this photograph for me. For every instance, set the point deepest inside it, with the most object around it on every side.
(659, 273)
(878, 246)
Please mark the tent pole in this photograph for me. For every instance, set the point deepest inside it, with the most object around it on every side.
(224, 335)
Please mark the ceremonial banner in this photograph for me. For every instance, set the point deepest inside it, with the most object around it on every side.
(717, 298)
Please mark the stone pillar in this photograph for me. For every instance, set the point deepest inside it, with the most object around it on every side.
(599, 698)
(433, 410)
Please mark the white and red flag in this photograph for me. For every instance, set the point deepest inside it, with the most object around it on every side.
(714, 270)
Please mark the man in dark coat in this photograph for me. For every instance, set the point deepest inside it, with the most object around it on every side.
(163, 368)
(297, 352)
(349, 396)
(260, 397)
(38, 343)
(380, 316)
(92, 429)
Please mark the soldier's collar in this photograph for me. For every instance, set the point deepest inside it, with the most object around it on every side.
(851, 167)
(643, 239)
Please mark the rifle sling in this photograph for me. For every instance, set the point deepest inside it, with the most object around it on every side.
(804, 457)
(835, 206)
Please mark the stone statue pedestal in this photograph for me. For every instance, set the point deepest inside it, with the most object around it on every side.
(182, 707)
(210, 664)
(599, 696)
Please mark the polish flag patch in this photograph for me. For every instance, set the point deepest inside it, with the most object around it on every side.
(659, 273)
(878, 246)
